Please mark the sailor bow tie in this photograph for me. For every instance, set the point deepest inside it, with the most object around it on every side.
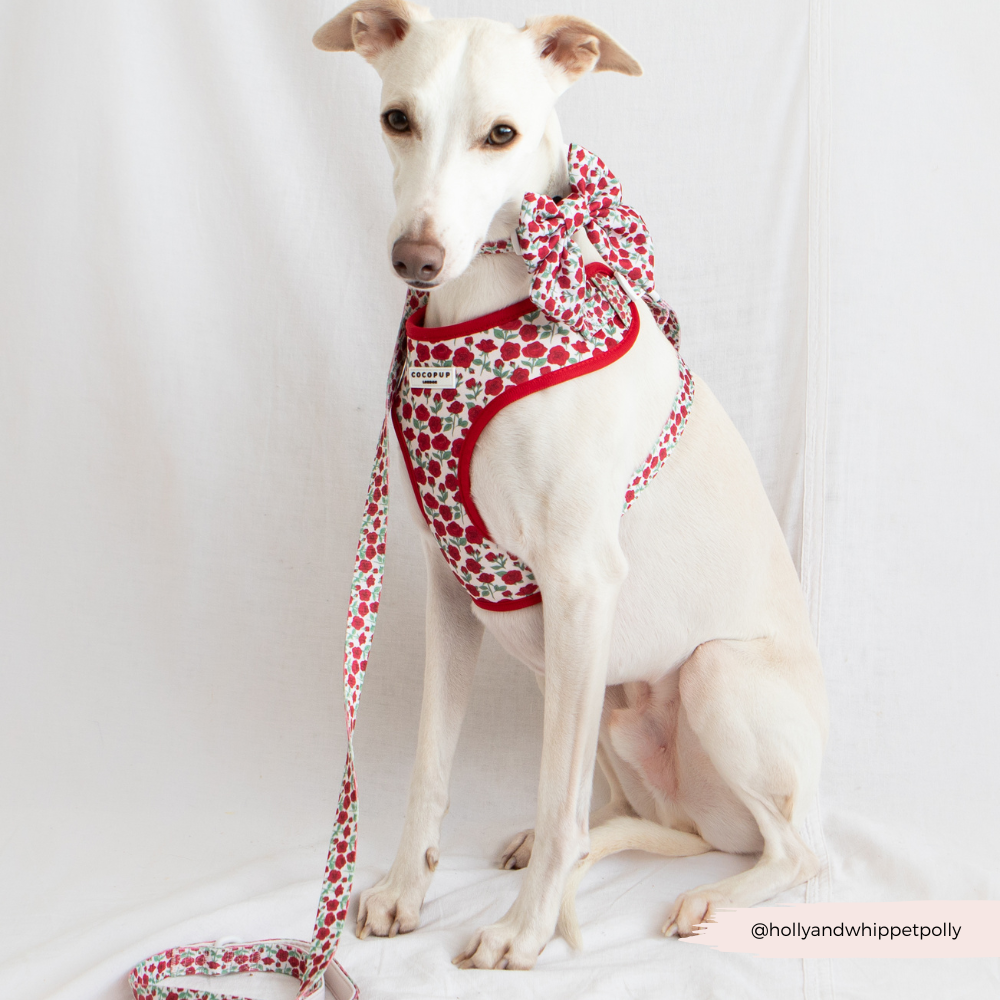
(545, 239)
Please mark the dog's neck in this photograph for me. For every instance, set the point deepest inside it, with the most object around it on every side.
(492, 281)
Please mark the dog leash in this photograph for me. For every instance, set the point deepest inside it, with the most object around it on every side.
(544, 240)
(313, 962)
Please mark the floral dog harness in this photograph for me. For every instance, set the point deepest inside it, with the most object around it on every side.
(448, 382)
(444, 386)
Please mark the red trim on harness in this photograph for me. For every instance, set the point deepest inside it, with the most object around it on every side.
(435, 334)
(509, 396)
(508, 603)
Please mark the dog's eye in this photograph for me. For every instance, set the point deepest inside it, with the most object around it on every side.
(500, 135)
(396, 120)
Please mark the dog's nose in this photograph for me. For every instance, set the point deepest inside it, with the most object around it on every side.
(417, 261)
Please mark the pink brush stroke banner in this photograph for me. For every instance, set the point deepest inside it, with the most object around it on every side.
(920, 929)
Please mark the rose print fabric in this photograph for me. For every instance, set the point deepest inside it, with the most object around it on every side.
(498, 359)
(545, 240)
(576, 320)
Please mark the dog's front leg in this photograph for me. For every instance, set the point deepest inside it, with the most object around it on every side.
(452, 646)
(578, 611)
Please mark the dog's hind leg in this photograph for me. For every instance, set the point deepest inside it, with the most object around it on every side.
(759, 714)
(517, 853)
(453, 638)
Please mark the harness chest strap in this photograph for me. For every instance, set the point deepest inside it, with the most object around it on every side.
(484, 365)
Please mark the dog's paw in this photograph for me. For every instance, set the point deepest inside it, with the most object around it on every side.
(502, 945)
(690, 909)
(517, 853)
(386, 909)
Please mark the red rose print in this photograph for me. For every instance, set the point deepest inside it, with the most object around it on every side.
(445, 513)
(512, 576)
(454, 554)
(463, 357)
(442, 352)
(474, 412)
(486, 577)
(434, 425)
(421, 412)
(494, 386)
(440, 442)
(473, 535)
(510, 350)
(456, 407)
(424, 442)
(407, 411)
(448, 394)
(535, 349)
(559, 355)
(487, 345)
(429, 501)
(455, 530)
(451, 483)
(473, 566)
(434, 467)
(423, 352)
(520, 376)
(420, 476)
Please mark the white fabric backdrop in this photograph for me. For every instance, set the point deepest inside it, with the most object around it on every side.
(196, 316)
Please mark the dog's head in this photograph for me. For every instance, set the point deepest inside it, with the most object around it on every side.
(467, 116)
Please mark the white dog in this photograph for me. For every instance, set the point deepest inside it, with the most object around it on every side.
(673, 643)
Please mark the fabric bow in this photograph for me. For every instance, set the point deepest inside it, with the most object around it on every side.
(545, 236)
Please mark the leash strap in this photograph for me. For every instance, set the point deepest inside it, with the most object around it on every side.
(311, 963)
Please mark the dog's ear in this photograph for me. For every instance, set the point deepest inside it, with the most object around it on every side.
(369, 27)
(571, 46)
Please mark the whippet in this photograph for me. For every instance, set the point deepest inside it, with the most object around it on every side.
(672, 643)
